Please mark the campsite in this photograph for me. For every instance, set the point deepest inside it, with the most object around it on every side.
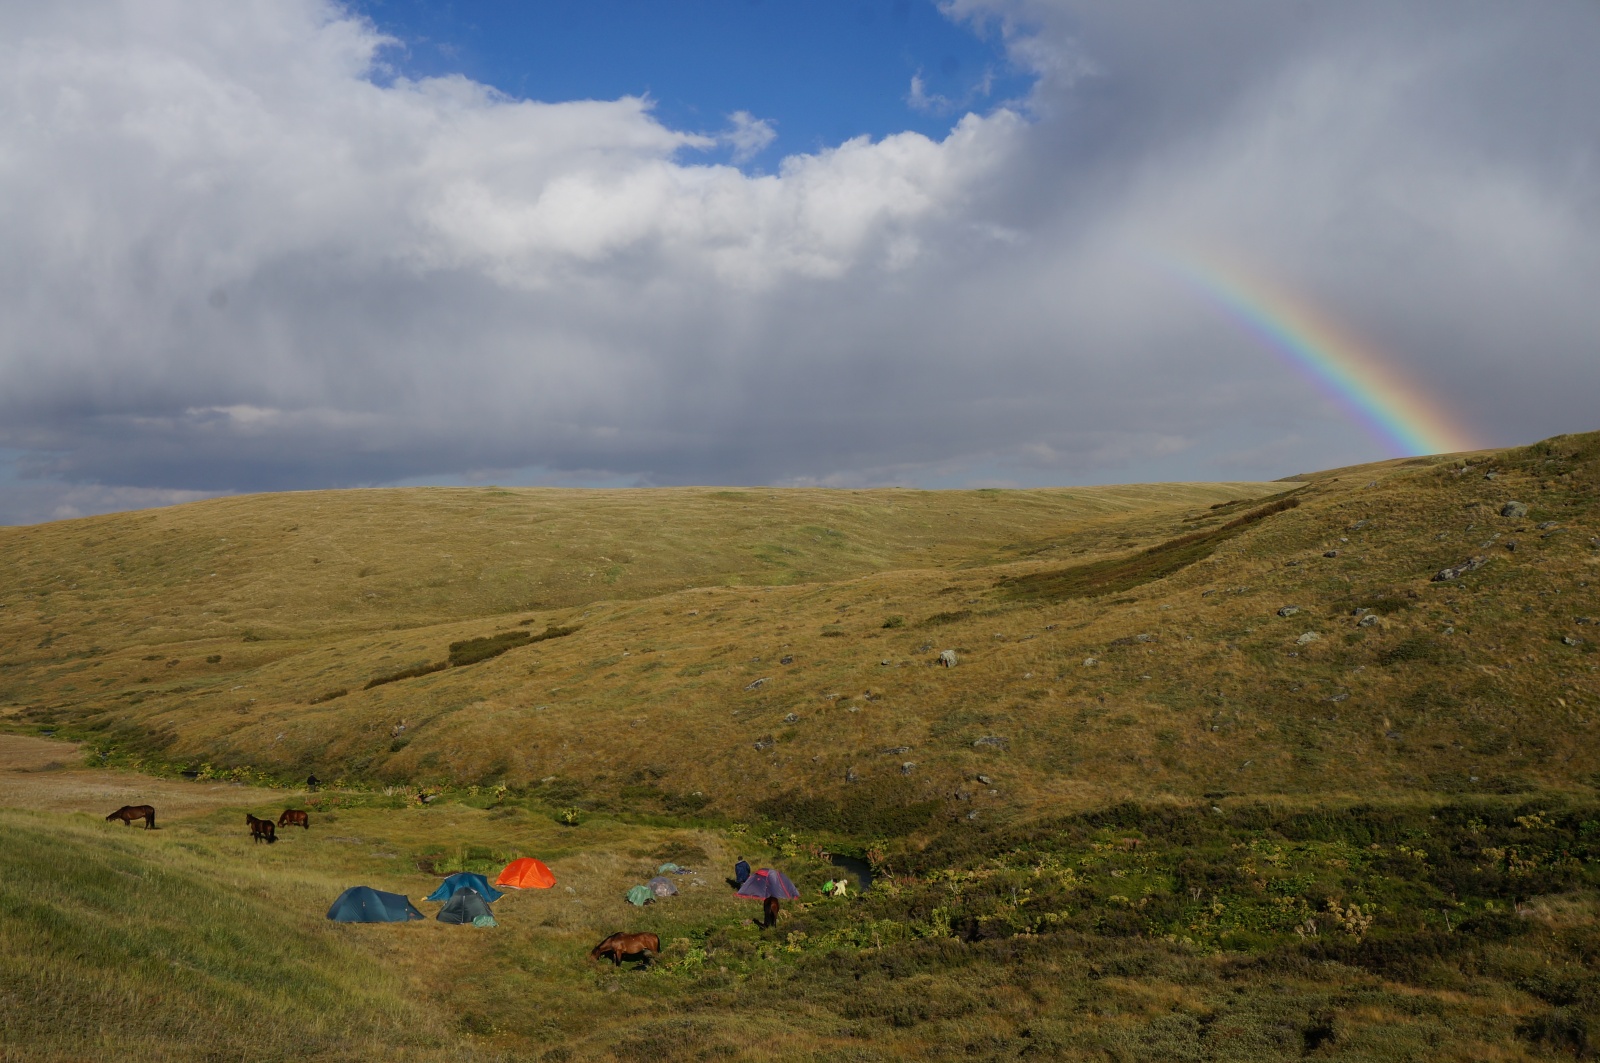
(1140, 814)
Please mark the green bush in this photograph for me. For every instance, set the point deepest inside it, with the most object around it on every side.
(406, 673)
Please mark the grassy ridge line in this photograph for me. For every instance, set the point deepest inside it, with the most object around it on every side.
(291, 565)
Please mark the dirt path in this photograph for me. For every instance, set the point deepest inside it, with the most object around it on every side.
(46, 775)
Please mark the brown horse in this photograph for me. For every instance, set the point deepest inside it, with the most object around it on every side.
(619, 947)
(129, 813)
(261, 830)
(293, 817)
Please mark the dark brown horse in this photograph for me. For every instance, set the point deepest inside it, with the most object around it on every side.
(293, 817)
(261, 830)
(129, 813)
(619, 947)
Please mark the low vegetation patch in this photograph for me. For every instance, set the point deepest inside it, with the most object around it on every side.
(1115, 575)
(472, 651)
(406, 673)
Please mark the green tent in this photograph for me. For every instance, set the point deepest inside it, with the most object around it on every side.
(641, 895)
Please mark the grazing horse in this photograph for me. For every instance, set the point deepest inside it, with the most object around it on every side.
(261, 829)
(129, 813)
(293, 817)
(619, 947)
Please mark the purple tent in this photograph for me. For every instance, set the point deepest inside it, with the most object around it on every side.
(769, 883)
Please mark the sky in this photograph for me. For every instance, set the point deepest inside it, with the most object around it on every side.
(295, 244)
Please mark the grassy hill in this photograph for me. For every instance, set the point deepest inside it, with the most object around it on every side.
(1221, 771)
(1298, 645)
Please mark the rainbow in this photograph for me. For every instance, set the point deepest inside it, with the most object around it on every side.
(1390, 407)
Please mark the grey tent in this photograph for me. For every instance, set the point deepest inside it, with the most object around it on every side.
(465, 905)
(662, 886)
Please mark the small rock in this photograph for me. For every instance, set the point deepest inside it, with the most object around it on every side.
(1358, 525)
(883, 664)
(1289, 610)
(1460, 569)
(1330, 553)
(1309, 636)
(759, 683)
(1490, 475)
(1570, 641)
(1511, 544)
(1360, 611)
(972, 815)
(1338, 698)
(984, 779)
(1514, 510)
(1368, 620)
(1217, 810)
(991, 741)
(786, 660)
(1090, 662)
(764, 743)
(908, 767)
(1547, 525)
(1291, 564)
(1450, 630)
(791, 718)
(947, 658)
(896, 751)
(851, 776)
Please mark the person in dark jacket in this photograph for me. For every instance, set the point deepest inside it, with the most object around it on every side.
(741, 871)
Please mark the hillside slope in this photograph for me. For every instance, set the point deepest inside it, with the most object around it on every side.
(1298, 644)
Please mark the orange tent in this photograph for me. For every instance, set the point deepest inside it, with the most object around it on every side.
(526, 873)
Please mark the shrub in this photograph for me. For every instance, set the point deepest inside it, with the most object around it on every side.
(406, 673)
(472, 651)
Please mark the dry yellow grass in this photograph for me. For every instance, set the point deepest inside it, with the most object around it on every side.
(675, 690)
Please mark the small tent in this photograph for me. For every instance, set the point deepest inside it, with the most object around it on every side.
(641, 895)
(466, 905)
(363, 904)
(526, 873)
(768, 883)
(448, 887)
(662, 886)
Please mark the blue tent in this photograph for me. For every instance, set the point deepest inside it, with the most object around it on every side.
(471, 881)
(768, 883)
(363, 904)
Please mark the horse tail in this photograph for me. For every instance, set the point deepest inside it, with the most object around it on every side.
(150, 819)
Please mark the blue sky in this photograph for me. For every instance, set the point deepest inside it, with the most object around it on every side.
(820, 72)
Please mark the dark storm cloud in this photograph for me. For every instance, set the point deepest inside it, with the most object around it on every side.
(233, 263)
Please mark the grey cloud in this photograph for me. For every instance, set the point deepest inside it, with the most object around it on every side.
(234, 263)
